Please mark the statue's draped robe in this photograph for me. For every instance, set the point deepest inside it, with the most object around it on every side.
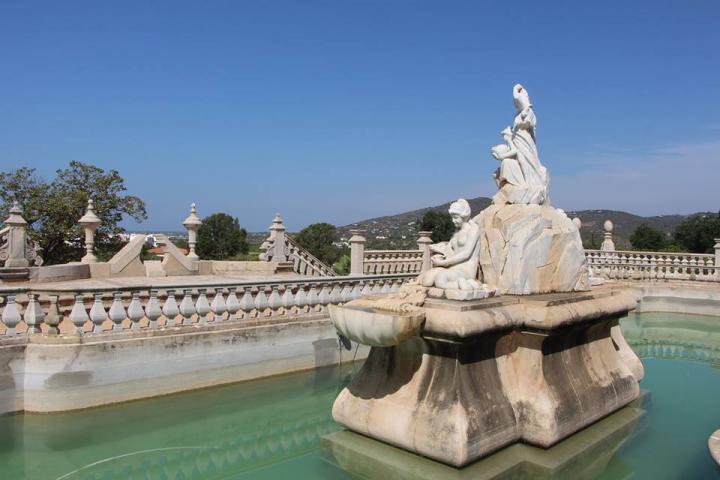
(534, 173)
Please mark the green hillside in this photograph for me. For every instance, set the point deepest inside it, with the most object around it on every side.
(400, 231)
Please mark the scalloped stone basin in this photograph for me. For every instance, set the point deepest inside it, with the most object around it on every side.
(374, 328)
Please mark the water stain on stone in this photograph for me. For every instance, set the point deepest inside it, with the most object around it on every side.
(68, 379)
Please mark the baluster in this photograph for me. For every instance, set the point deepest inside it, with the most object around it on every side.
(247, 304)
(324, 297)
(394, 286)
(53, 318)
(385, 288)
(313, 299)
(356, 291)
(232, 305)
(202, 307)
(335, 297)
(97, 313)
(11, 315)
(376, 289)
(261, 302)
(692, 264)
(135, 311)
(367, 289)
(274, 302)
(346, 293)
(33, 315)
(170, 310)
(187, 307)
(117, 311)
(288, 300)
(301, 299)
(218, 306)
(152, 309)
(78, 315)
(684, 267)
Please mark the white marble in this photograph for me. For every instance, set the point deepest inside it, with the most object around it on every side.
(528, 249)
(455, 263)
(521, 178)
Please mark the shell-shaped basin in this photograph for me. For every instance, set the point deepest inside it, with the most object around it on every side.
(376, 328)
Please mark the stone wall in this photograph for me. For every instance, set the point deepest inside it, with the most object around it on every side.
(50, 374)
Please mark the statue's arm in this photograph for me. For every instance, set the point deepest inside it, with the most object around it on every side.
(511, 152)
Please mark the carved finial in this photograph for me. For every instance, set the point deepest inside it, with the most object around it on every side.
(192, 223)
(192, 220)
(277, 223)
(90, 219)
(608, 245)
(15, 218)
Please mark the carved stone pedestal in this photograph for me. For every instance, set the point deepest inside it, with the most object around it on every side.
(484, 374)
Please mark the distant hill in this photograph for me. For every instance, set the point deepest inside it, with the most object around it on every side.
(400, 231)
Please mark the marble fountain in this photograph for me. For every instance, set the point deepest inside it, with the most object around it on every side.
(502, 340)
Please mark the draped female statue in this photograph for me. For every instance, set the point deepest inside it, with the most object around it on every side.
(521, 177)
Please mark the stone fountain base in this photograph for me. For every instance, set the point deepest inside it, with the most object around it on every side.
(485, 374)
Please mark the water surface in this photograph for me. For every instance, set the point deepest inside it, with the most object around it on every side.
(272, 428)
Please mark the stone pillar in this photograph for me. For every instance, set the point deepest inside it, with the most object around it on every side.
(277, 233)
(90, 222)
(16, 238)
(717, 257)
(424, 241)
(608, 245)
(192, 223)
(357, 252)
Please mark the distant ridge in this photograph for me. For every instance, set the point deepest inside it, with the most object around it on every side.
(400, 230)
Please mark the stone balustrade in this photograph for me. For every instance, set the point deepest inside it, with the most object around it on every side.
(103, 311)
(631, 265)
(380, 262)
(304, 262)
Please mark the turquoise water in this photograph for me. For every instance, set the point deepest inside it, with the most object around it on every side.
(272, 429)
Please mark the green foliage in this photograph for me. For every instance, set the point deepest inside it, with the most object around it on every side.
(439, 223)
(319, 239)
(181, 243)
(342, 266)
(697, 234)
(52, 209)
(648, 239)
(221, 238)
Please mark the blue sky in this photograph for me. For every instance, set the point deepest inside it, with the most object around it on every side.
(339, 111)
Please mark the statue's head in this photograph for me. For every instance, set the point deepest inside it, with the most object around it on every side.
(521, 98)
(460, 212)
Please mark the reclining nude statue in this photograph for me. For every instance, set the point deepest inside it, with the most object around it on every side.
(455, 263)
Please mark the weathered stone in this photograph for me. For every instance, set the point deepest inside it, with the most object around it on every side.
(483, 374)
(529, 249)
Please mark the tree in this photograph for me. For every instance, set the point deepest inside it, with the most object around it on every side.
(220, 237)
(648, 239)
(439, 223)
(319, 239)
(342, 266)
(697, 234)
(52, 209)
